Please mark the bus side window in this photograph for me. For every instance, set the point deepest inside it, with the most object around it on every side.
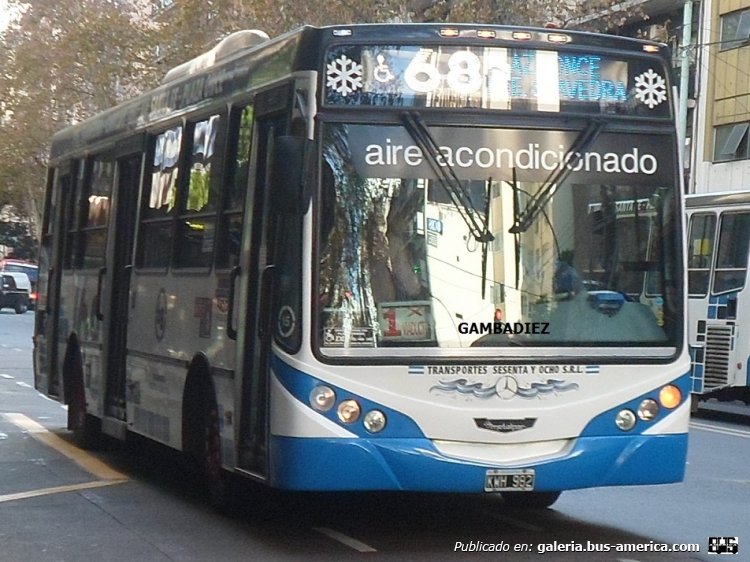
(197, 221)
(731, 257)
(95, 205)
(235, 186)
(160, 193)
(71, 221)
(700, 252)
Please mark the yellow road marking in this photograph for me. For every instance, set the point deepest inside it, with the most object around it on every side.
(58, 490)
(83, 459)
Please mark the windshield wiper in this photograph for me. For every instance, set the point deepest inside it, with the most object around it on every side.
(537, 203)
(516, 235)
(486, 226)
(445, 174)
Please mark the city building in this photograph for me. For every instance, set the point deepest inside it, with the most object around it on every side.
(721, 158)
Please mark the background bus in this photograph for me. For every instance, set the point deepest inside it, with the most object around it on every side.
(378, 257)
(718, 293)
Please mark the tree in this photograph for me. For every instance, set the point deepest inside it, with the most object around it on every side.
(62, 61)
(190, 27)
(16, 235)
(599, 15)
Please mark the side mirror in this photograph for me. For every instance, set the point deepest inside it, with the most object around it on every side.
(288, 172)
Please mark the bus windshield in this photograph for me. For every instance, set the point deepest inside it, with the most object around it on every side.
(404, 263)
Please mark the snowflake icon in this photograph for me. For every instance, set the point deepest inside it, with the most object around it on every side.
(344, 75)
(650, 88)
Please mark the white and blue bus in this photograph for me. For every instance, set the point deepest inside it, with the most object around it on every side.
(719, 294)
(380, 257)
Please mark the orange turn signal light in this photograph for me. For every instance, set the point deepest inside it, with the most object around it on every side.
(670, 396)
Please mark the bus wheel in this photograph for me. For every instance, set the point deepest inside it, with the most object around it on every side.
(694, 404)
(87, 429)
(530, 500)
(215, 477)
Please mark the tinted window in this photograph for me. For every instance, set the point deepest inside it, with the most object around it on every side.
(700, 252)
(160, 197)
(731, 258)
(197, 223)
(95, 207)
(236, 184)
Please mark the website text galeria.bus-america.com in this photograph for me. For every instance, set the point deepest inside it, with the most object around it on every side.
(573, 546)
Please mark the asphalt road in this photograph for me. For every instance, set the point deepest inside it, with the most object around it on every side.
(138, 502)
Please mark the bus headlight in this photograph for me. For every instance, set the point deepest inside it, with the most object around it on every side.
(670, 396)
(648, 409)
(348, 411)
(374, 421)
(625, 420)
(322, 398)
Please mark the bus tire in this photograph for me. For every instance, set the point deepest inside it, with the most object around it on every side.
(87, 429)
(530, 500)
(694, 404)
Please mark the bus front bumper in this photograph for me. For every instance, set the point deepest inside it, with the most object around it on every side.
(416, 465)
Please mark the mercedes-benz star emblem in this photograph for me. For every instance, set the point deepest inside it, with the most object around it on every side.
(506, 387)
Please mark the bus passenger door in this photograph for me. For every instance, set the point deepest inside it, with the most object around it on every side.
(59, 205)
(256, 282)
(115, 290)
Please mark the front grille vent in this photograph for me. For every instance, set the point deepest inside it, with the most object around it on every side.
(718, 349)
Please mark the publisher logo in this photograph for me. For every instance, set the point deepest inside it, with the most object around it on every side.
(723, 545)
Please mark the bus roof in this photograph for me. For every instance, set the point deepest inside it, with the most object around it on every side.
(255, 63)
(717, 199)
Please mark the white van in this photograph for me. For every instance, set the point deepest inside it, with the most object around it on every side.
(15, 289)
(8, 265)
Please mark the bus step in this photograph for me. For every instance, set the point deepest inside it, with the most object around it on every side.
(114, 428)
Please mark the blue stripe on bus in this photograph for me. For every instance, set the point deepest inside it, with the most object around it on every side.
(697, 378)
(415, 464)
(718, 306)
(696, 370)
(300, 384)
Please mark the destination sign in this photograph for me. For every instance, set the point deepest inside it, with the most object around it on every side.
(383, 151)
(501, 78)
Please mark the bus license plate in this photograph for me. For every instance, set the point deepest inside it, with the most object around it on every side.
(505, 480)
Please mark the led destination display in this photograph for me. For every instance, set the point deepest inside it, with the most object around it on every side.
(500, 78)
